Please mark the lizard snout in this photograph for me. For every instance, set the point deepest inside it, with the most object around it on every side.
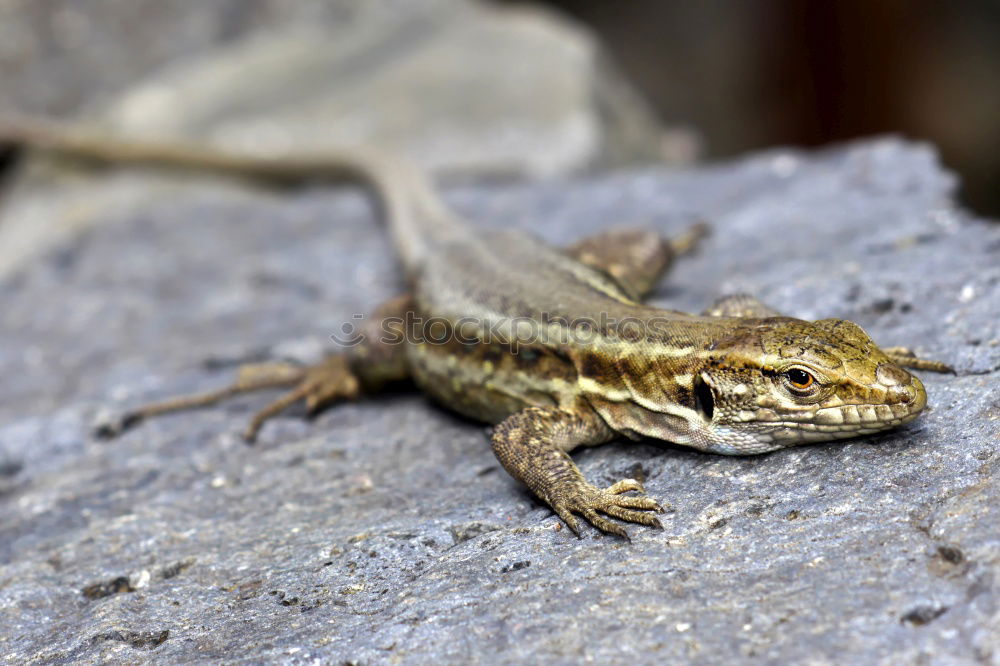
(902, 387)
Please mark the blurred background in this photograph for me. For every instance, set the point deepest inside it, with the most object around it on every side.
(749, 75)
(549, 88)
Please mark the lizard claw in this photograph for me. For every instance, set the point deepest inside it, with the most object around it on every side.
(589, 501)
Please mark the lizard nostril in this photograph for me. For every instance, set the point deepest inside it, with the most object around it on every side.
(900, 395)
(889, 374)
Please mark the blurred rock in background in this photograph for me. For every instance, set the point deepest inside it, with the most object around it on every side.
(461, 87)
(500, 88)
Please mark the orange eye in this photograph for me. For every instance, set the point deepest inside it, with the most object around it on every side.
(799, 379)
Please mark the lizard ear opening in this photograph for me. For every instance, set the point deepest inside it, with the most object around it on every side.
(704, 399)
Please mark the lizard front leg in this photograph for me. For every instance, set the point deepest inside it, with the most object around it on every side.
(904, 356)
(740, 305)
(533, 444)
(341, 376)
(635, 258)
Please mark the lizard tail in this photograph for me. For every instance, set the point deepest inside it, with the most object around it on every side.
(416, 215)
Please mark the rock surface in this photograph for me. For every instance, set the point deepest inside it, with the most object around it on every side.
(385, 532)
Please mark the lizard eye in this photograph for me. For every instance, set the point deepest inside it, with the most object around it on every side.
(799, 379)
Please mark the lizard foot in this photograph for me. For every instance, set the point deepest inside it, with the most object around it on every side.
(318, 386)
(322, 384)
(585, 499)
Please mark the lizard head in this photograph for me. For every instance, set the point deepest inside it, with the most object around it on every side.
(778, 382)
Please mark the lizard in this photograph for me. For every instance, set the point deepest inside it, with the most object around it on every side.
(556, 347)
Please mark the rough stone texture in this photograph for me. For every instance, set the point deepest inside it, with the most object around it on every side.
(460, 87)
(384, 531)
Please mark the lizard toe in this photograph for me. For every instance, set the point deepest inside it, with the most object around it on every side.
(604, 524)
(632, 516)
(642, 503)
(624, 486)
(567, 517)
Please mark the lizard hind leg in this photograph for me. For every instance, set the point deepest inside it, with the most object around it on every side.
(250, 377)
(532, 446)
(317, 385)
(368, 366)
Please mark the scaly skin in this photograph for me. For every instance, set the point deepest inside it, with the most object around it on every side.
(556, 346)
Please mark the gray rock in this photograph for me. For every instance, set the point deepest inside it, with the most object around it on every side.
(65, 56)
(464, 88)
(384, 531)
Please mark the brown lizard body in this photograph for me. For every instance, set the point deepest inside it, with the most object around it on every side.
(556, 347)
